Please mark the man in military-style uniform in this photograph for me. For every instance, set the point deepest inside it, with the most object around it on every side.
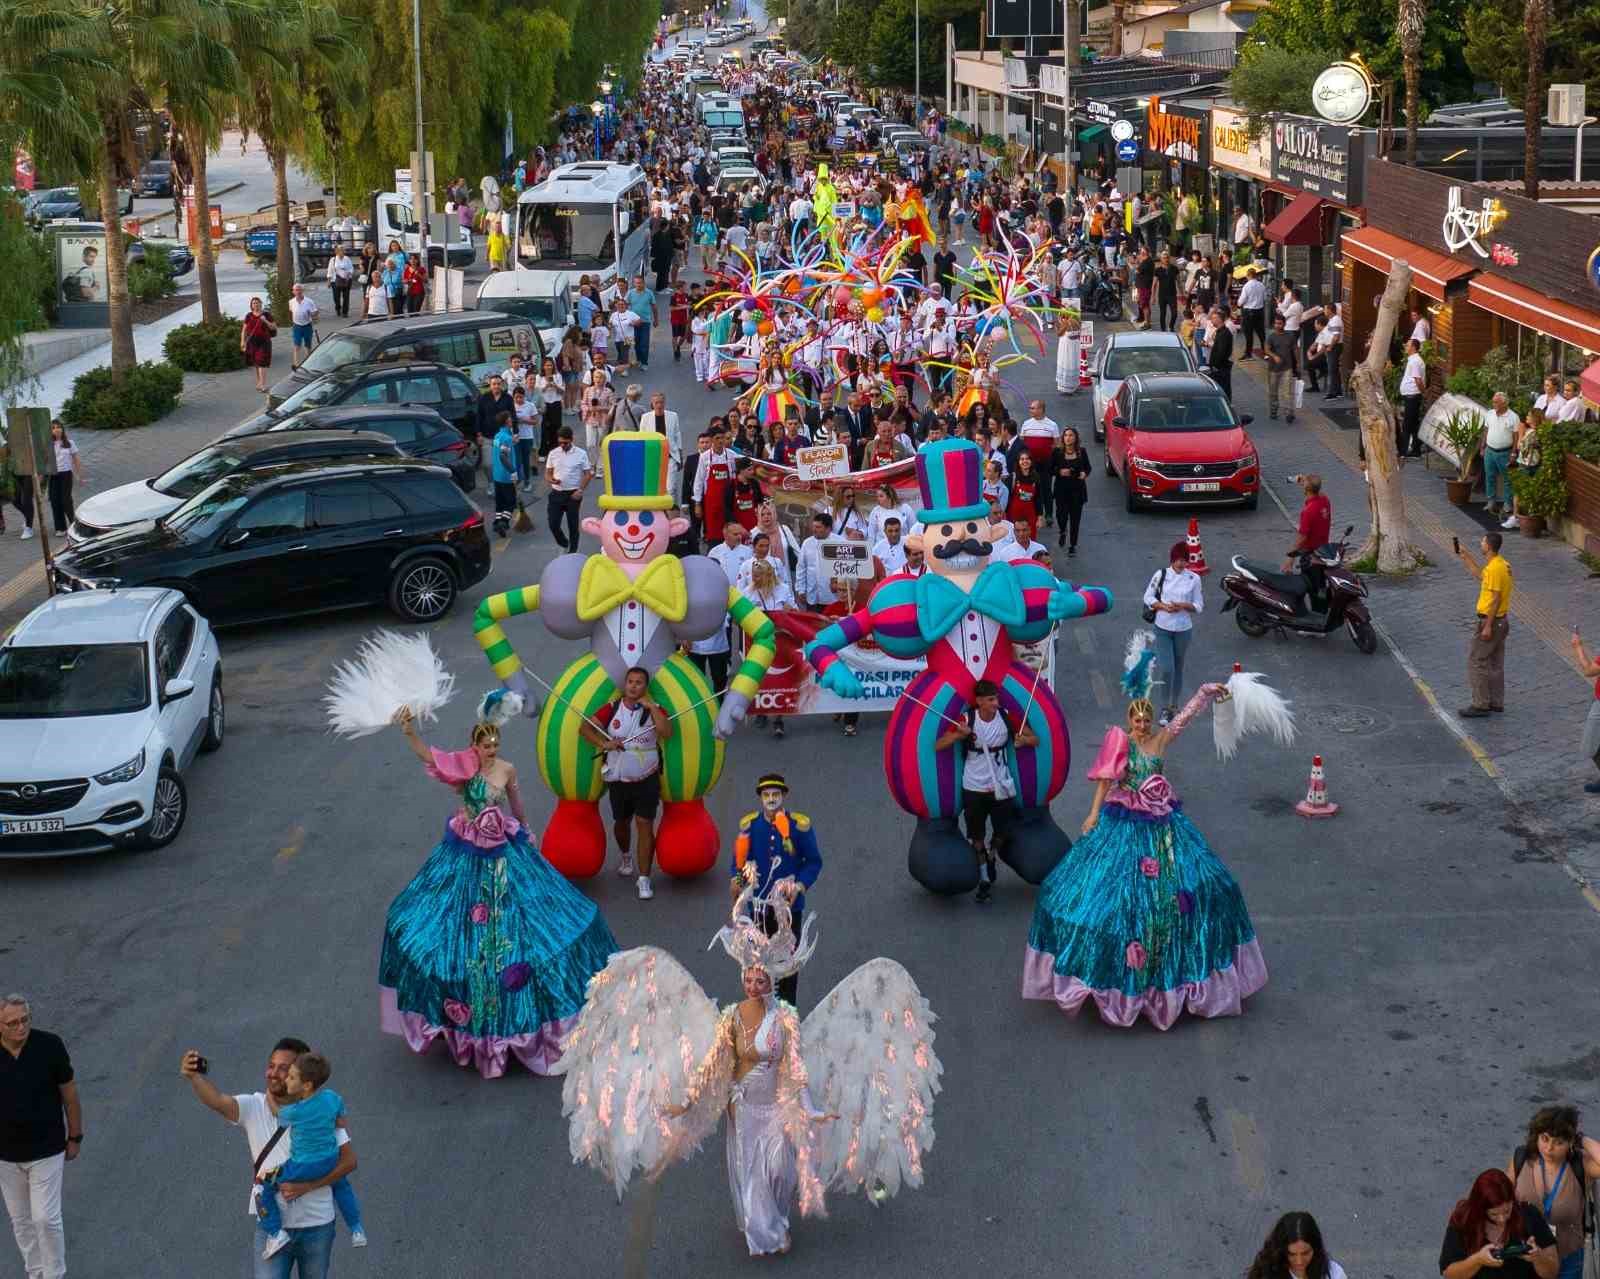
(783, 848)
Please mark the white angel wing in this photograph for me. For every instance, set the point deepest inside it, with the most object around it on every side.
(389, 671)
(644, 1032)
(868, 1051)
(1253, 706)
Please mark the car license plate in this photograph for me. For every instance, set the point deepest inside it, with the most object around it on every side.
(1211, 487)
(33, 826)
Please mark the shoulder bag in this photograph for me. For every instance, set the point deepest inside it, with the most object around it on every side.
(1150, 611)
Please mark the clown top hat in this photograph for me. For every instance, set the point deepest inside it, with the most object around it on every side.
(950, 473)
(636, 472)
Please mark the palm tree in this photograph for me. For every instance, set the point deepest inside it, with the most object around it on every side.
(1119, 9)
(44, 51)
(1536, 18)
(1413, 18)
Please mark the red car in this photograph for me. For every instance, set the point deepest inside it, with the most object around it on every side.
(1174, 440)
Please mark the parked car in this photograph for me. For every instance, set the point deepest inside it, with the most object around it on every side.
(101, 513)
(303, 537)
(1147, 351)
(446, 390)
(39, 207)
(155, 179)
(476, 342)
(105, 699)
(1175, 440)
(418, 430)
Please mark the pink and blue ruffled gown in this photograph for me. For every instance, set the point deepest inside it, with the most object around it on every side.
(489, 948)
(1141, 916)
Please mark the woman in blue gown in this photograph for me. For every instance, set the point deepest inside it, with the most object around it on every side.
(488, 948)
(1140, 915)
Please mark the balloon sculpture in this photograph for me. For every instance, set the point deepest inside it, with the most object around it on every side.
(635, 604)
(963, 614)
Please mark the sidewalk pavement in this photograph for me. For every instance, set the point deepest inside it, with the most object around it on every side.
(1531, 752)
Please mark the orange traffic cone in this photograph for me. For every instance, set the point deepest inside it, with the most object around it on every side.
(1197, 555)
(1316, 802)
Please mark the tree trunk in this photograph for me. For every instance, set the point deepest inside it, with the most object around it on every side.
(1536, 18)
(1389, 542)
(1118, 21)
(123, 356)
(1413, 74)
(285, 265)
(205, 254)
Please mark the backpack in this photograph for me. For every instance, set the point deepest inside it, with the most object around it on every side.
(1575, 1164)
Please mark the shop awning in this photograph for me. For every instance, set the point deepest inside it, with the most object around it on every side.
(1299, 223)
(1533, 310)
(1093, 131)
(1431, 273)
(1589, 383)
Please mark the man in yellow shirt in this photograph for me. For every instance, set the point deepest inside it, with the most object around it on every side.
(1486, 659)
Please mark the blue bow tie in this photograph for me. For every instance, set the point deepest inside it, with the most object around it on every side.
(996, 594)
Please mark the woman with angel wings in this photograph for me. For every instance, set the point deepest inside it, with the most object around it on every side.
(1141, 916)
(842, 1101)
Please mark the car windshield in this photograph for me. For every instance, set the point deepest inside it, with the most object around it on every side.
(541, 312)
(723, 120)
(192, 474)
(323, 391)
(206, 512)
(577, 235)
(339, 349)
(1184, 412)
(73, 679)
(1124, 361)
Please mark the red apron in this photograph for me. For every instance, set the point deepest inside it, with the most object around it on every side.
(746, 500)
(1024, 503)
(719, 479)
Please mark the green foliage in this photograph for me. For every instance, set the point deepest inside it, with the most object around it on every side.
(148, 391)
(893, 49)
(1268, 78)
(205, 348)
(29, 275)
(1541, 491)
(1497, 45)
(1309, 28)
(1581, 439)
(1498, 371)
(1463, 431)
(994, 142)
(876, 38)
(151, 278)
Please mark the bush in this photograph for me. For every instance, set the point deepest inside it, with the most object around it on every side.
(205, 348)
(1500, 372)
(148, 391)
(151, 279)
(1541, 491)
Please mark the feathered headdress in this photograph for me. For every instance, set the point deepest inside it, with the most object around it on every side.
(1140, 656)
(499, 706)
(747, 943)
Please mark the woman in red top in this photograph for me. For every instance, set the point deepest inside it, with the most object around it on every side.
(1025, 485)
(416, 281)
(678, 317)
(255, 340)
(745, 497)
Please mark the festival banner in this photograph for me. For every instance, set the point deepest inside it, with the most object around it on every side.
(791, 687)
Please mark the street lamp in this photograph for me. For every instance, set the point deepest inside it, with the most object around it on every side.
(599, 109)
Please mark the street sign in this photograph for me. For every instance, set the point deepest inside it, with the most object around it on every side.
(1128, 151)
(1121, 130)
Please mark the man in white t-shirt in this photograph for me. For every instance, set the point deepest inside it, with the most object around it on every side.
(635, 726)
(1499, 438)
(1022, 546)
(308, 1206)
(1413, 381)
(890, 551)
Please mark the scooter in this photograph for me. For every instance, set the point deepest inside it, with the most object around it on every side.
(1317, 600)
(1102, 294)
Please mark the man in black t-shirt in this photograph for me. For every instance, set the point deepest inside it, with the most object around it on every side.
(944, 271)
(1166, 279)
(41, 1127)
(1219, 363)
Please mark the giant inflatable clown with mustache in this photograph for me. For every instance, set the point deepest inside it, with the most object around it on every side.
(963, 614)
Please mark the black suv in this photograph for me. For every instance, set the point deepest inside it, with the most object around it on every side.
(446, 390)
(419, 431)
(301, 538)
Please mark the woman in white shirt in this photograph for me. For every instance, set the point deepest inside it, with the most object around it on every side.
(1294, 1250)
(1550, 398)
(889, 507)
(67, 467)
(377, 298)
(767, 591)
(1174, 593)
(550, 388)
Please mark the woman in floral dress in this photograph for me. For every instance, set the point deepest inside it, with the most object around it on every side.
(488, 948)
(1141, 916)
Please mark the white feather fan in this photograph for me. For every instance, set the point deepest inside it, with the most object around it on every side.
(389, 671)
(1253, 706)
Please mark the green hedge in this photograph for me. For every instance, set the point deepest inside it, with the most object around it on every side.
(148, 391)
(151, 279)
(1499, 371)
(205, 348)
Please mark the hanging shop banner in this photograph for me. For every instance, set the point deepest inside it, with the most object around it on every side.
(1232, 147)
(1177, 133)
(81, 267)
(1312, 156)
(791, 688)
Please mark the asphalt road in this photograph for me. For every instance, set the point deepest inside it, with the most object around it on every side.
(1404, 1035)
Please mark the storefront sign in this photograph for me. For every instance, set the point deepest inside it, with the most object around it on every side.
(1099, 112)
(1342, 93)
(1468, 228)
(1232, 146)
(1175, 132)
(1312, 156)
(1122, 130)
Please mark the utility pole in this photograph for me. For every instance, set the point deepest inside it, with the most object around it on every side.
(916, 53)
(1068, 50)
(421, 196)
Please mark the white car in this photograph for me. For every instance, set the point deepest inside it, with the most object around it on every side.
(1139, 351)
(105, 698)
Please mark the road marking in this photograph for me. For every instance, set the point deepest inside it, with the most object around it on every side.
(287, 853)
(1102, 694)
(1251, 1165)
(1084, 636)
(22, 583)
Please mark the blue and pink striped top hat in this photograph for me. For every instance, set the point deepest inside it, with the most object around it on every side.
(950, 473)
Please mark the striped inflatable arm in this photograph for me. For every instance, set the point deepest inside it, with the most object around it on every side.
(823, 651)
(763, 647)
(503, 659)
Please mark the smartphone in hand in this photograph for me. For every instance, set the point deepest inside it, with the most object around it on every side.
(1455, 544)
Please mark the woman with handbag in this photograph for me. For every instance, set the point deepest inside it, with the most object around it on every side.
(1171, 602)
(255, 340)
(1070, 469)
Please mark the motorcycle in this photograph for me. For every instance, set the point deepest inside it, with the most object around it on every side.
(1101, 295)
(1317, 600)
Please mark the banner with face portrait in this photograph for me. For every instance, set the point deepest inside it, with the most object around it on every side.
(81, 268)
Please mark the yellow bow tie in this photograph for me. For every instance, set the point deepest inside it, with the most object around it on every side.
(661, 588)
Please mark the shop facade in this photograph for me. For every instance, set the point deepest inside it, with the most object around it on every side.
(1313, 196)
(1177, 151)
(1241, 168)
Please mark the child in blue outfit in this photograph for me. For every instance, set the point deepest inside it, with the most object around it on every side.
(314, 1150)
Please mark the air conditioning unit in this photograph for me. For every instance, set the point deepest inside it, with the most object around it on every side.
(1566, 104)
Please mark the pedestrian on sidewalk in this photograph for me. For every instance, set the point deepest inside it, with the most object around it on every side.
(1498, 441)
(1219, 360)
(303, 312)
(68, 467)
(1174, 597)
(1486, 659)
(255, 340)
(341, 274)
(1294, 1250)
(568, 471)
(1283, 366)
(1589, 668)
(1413, 380)
(503, 472)
(1253, 303)
(41, 1128)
